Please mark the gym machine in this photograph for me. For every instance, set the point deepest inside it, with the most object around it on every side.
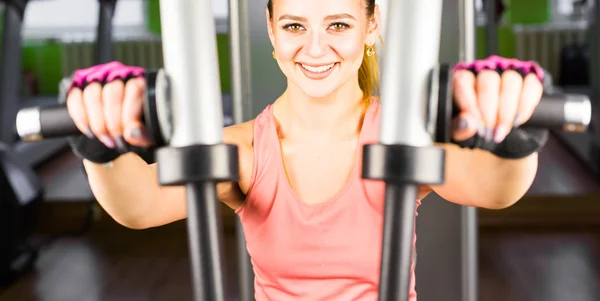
(417, 97)
(20, 189)
(241, 90)
(493, 12)
(104, 44)
(469, 220)
(10, 68)
(183, 112)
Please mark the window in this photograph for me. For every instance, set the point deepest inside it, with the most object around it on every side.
(77, 19)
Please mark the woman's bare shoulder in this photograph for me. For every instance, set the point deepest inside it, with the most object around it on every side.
(241, 134)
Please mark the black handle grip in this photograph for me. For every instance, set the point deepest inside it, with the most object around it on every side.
(567, 112)
(55, 122)
(36, 123)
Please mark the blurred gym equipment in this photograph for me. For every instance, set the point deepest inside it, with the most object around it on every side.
(21, 189)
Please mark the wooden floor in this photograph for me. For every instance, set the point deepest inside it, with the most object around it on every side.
(112, 263)
(540, 266)
(545, 248)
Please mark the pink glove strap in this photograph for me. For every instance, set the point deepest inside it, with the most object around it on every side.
(105, 73)
(495, 62)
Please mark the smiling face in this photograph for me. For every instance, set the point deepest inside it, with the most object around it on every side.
(320, 44)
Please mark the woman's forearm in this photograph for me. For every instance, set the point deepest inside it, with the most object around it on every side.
(129, 192)
(478, 178)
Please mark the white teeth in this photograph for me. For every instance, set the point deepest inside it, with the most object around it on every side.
(318, 69)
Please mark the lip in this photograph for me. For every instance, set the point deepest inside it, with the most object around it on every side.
(317, 75)
(316, 65)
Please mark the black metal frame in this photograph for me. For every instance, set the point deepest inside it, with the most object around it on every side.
(241, 86)
(469, 215)
(104, 34)
(10, 68)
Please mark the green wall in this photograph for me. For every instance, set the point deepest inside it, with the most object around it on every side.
(517, 12)
(529, 11)
(45, 60)
(154, 16)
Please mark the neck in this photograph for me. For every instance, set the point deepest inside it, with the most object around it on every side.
(339, 114)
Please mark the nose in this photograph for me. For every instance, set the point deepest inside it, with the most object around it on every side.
(316, 44)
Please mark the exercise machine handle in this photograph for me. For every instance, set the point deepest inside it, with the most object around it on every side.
(53, 121)
(42, 122)
(566, 112)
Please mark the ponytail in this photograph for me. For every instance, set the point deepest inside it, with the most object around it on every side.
(368, 73)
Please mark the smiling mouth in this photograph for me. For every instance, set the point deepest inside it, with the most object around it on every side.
(317, 72)
(318, 69)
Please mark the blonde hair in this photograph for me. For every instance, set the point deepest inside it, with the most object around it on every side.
(368, 73)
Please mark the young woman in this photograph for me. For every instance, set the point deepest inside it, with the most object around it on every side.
(313, 226)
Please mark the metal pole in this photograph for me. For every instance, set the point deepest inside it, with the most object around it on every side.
(491, 29)
(469, 222)
(595, 66)
(191, 62)
(467, 36)
(104, 45)
(10, 60)
(241, 86)
(405, 97)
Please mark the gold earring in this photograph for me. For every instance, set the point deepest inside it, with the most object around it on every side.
(370, 51)
(273, 54)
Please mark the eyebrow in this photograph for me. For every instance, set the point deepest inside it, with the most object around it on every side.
(328, 18)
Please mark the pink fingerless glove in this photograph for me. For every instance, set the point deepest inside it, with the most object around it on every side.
(501, 64)
(520, 142)
(90, 148)
(105, 73)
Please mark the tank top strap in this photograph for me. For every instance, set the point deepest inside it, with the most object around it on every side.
(265, 174)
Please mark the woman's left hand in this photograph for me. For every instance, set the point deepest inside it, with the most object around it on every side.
(491, 104)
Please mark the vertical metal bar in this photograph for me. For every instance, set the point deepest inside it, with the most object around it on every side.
(239, 39)
(405, 74)
(191, 62)
(467, 35)
(246, 272)
(491, 29)
(10, 76)
(241, 86)
(104, 33)
(405, 97)
(205, 241)
(469, 222)
(595, 61)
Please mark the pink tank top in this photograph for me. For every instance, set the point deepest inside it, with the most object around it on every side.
(328, 251)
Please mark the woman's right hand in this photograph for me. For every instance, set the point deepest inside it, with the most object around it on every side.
(112, 112)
